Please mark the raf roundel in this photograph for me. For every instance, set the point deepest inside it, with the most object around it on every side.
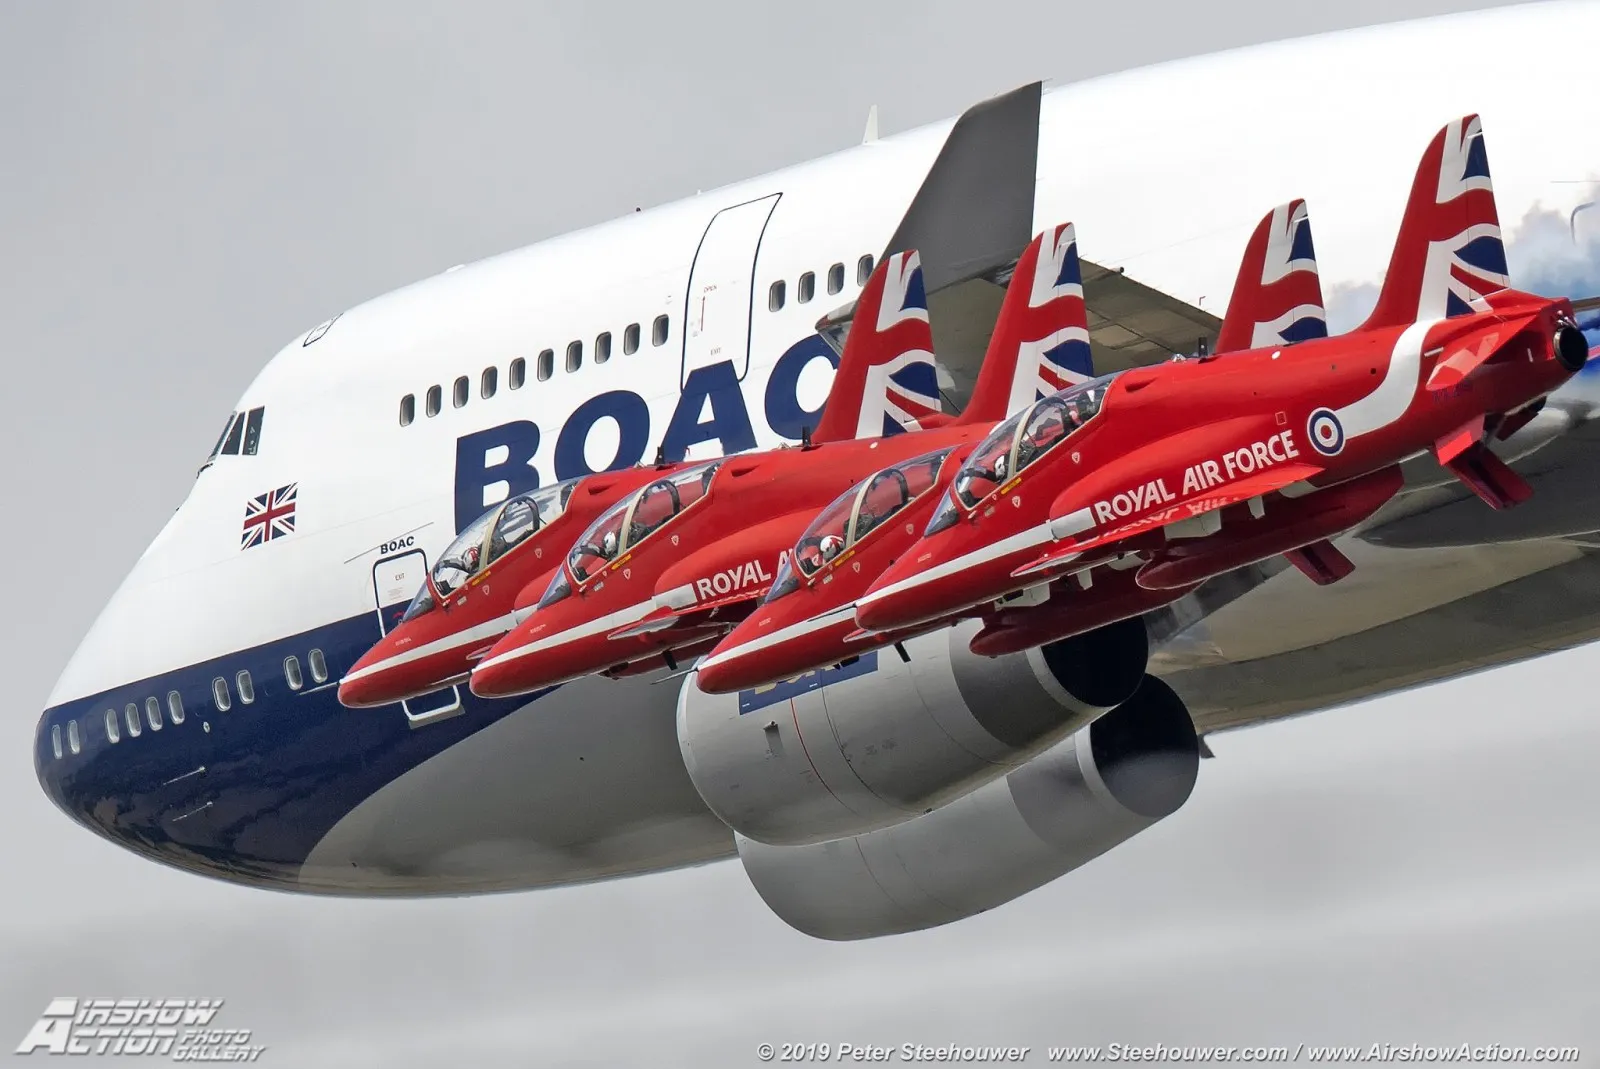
(1326, 432)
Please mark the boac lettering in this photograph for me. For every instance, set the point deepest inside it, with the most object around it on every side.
(495, 463)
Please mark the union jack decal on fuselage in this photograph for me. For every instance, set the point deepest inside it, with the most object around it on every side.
(269, 516)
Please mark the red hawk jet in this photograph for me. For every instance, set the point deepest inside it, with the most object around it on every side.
(1189, 469)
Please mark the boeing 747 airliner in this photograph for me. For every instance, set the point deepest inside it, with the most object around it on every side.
(199, 722)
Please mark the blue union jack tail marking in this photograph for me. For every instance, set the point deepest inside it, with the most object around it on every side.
(1450, 252)
(886, 383)
(1041, 340)
(1277, 299)
(269, 516)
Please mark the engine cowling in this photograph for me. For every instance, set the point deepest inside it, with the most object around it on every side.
(890, 739)
(1129, 769)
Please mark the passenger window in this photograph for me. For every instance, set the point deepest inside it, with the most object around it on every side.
(489, 382)
(113, 730)
(247, 688)
(73, 741)
(863, 270)
(435, 400)
(546, 366)
(235, 436)
(458, 394)
(408, 409)
(175, 706)
(808, 287)
(55, 736)
(519, 373)
(836, 278)
(152, 713)
(130, 716)
(602, 348)
(630, 340)
(775, 296)
(658, 332)
(574, 355)
(291, 672)
(252, 431)
(319, 667)
(220, 695)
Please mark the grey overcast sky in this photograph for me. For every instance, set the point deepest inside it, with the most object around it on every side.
(185, 185)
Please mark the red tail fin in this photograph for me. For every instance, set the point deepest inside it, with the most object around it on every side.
(1449, 251)
(1041, 339)
(1277, 299)
(886, 382)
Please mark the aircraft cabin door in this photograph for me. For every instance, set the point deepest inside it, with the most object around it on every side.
(395, 581)
(721, 293)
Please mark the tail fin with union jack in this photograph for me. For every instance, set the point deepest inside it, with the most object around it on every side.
(1449, 252)
(886, 383)
(1041, 339)
(1277, 299)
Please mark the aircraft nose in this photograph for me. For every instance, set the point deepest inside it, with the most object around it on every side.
(113, 790)
(375, 679)
(719, 677)
(358, 691)
(500, 674)
(899, 598)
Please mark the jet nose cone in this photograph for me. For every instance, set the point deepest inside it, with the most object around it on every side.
(500, 674)
(363, 691)
(379, 677)
(719, 677)
(891, 607)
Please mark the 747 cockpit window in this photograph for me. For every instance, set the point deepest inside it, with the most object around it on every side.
(1027, 436)
(861, 510)
(241, 436)
(633, 519)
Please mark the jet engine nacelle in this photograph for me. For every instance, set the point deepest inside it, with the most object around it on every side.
(1111, 780)
(791, 766)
